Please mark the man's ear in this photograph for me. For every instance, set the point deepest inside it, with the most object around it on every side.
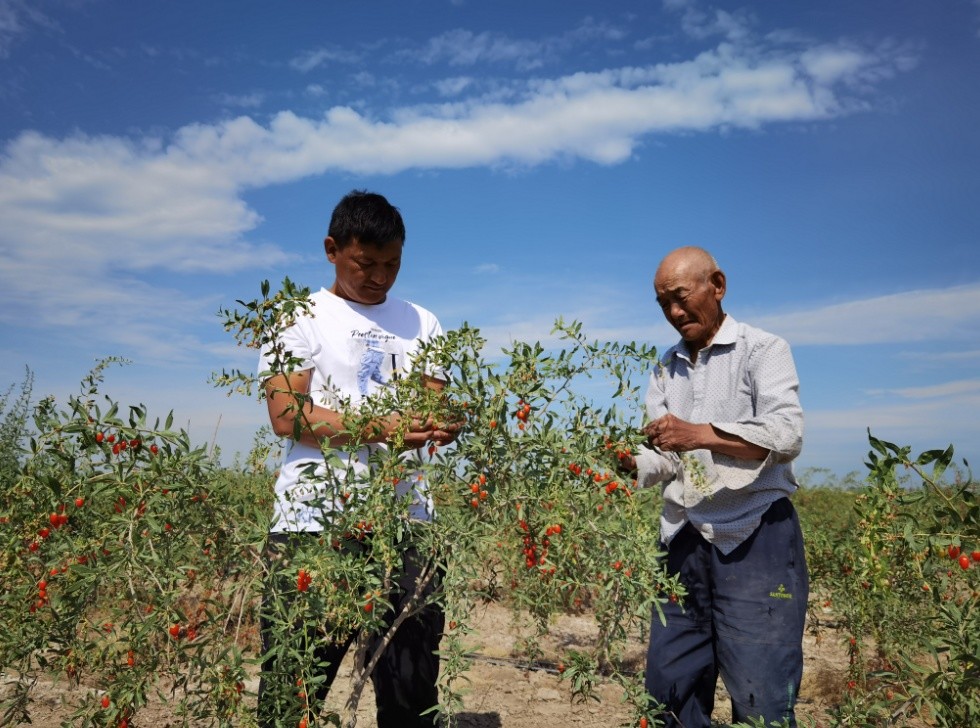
(330, 248)
(720, 283)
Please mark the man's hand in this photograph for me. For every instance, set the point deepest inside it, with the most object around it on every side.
(446, 432)
(672, 434)
(424, 430)
(418, 430)
(438, 433)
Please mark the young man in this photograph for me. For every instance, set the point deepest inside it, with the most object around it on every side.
(726, 394)
(355, 340)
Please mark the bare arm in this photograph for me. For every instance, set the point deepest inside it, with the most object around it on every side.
(672, 434)
(286, 395)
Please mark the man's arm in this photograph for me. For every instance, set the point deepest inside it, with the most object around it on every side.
(287, 399)
(672, 434)
(777, 420)
(776, 430)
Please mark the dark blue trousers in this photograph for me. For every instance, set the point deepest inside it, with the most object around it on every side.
(742, 618)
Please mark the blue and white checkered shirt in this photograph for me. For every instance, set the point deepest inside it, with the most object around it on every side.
(744, 383)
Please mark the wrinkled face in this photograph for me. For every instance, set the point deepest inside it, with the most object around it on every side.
(364, 273)
(691, 302)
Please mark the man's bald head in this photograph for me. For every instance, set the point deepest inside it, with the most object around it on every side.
(690, 286)
(689, 260)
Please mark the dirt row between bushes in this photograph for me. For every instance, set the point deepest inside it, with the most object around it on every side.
(504, 693)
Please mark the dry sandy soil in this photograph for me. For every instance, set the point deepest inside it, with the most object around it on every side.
(504, 694)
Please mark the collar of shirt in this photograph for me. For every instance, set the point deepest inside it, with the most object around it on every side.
(726, 335)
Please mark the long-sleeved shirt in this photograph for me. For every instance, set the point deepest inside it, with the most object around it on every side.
(743, 383)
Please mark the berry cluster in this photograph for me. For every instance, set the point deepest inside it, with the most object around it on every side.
(962, 557)
(303, 580)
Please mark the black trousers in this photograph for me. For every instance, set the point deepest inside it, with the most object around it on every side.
(406, 674)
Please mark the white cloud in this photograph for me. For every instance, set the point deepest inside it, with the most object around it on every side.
(87, 222)
(244, 101)
(943, 356)
(364, 79)
(488, 268)
(601, 120)
(105, 193)
(914, 422)
(10, 26)
(460, 47)
(100, 214)
(697, 23)
(308, 60)
(945, 390)
(590, 30)
(465, 48)
(838, 439)
(17, 18)
(856, 67)
(453, 86)
(592, 306)
(951, 314)
(827, 64)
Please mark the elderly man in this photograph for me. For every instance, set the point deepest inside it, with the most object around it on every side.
(724, 425)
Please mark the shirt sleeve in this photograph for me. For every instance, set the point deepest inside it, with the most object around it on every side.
(777, 422)
(654, 466)
(656, 396)
(433, 330)
(295, 346)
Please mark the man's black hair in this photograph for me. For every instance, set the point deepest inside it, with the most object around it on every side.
(367, 217)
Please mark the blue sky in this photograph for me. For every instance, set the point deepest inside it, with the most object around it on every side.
(159, 159)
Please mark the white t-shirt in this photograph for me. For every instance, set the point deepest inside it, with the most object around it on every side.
(353, 350)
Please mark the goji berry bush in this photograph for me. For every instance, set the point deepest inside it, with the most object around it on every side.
(128, 557)
(531, 504)
(904, 578)
(134, 563)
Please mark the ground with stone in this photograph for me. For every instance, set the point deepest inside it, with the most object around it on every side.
(503, 692)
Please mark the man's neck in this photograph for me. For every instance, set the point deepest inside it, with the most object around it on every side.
(694, 349)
